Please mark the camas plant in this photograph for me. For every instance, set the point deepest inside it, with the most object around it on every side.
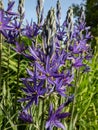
(57, 54)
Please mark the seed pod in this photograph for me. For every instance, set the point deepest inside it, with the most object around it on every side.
(1, 4)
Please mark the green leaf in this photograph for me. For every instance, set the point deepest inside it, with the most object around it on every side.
(26, 40)
(39, 39)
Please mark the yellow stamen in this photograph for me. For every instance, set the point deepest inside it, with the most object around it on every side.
(0, 23)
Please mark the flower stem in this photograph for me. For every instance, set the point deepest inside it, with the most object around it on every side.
(42, 119)
(1, 40)
(71, 127)
(43, 109)
(18, 67)
(8, 69)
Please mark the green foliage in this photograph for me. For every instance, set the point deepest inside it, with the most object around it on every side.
(85, 115)
(9, 86)
(39, 39)
(27, 41)
(92, 15)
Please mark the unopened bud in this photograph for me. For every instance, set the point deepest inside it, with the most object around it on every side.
(69, 19)
(69, 22)
(82, 16)
(48, 33)
(1, 4)
(58, 12)
(21, 8)
(39, 10)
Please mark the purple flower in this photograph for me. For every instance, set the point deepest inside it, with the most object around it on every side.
(31, 30)
(33, 92)
(83, 45)
(20, 47)
(25, 116)
(17, 26)
(53, 66)
(35, 54)
(54, 117)
(60, 88)
(11, 37)
(59, 58)
(79, 47)
(10, 7)
(61, 34)
(4, 23)
(88, 56)
(86, 69)
(78, 62)
(68, 78)
(48, 73)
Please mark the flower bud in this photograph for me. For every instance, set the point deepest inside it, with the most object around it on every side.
(48, 33)
(82, 15)
(39, 10)
(1, 4)
(69, 20)
(21, 9)
(58, 12)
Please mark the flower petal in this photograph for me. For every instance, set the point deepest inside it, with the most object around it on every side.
(63, 115)
(58, 124)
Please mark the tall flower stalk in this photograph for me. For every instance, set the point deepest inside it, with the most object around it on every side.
(43, 115)
(71, 126)
(58, 13)
(39, 11)
(8, 61)
(1, 41)
(21, 16)
(55, 65)
(48, 47)
(81, 56)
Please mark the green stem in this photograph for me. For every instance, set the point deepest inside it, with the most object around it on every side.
(42, 119)
(16, 96)
(71, 127)
(18, 67)
(59, 101)
(43, 110)
(8, 69)
(1, 40)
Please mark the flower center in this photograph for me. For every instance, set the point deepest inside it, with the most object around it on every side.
(47, 74)
(0, 23)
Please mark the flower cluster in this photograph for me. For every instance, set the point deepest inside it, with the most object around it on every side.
(5, 19)
(55, 53)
